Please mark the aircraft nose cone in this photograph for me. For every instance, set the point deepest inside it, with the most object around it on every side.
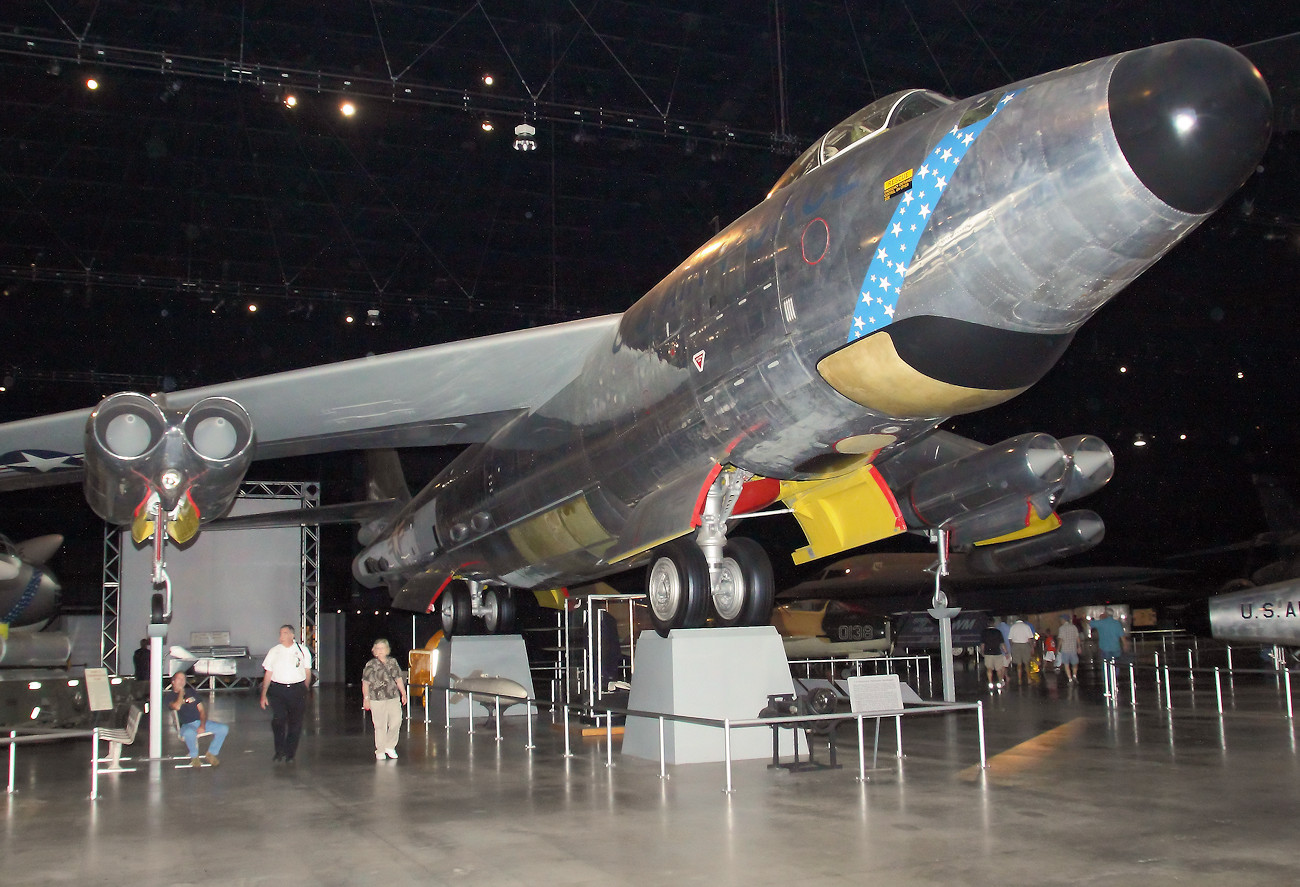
(1193, 118)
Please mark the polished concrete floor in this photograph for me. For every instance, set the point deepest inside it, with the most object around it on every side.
(1076, 792)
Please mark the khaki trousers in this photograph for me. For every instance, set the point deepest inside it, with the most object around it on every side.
(387, 716)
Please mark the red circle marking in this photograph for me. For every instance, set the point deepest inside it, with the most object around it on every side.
(826, 241)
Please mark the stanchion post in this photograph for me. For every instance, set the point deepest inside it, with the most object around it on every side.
(94, 765)
(898, 735)
(1218, 689)
(1290, 715)
(726, 746)
(862, 753)
(1169, 697)
(1132, 686)
(663, 758)
(13, 760)
(609, 739)
(567, 752)
(979, 711)
(528, 714)
(446, 707)
(496, 700)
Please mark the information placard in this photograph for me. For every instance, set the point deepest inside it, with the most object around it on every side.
(98, 693)
(875, 694)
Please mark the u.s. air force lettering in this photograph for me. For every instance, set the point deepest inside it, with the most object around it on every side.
(1266, 615)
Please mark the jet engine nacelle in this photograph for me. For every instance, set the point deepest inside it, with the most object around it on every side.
(1003, 480)
(1092, 465)
(1079, 531)
(192, 460)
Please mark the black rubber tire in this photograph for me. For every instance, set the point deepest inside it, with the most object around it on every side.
(753, 588)
(677, 582)
(500, 606)
(455, 609)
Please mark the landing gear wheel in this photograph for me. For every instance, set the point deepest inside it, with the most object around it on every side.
(744, 588)
(456, 610)
(500, 615)
(678, 586)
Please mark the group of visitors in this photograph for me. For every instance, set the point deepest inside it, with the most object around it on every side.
(286, 683)
(1005, 645)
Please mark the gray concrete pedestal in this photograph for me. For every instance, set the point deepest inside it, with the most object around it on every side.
(711, 673)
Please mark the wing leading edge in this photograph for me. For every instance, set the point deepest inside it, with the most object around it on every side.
(455, 393)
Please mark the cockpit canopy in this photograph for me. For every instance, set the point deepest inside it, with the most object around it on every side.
(875, 118)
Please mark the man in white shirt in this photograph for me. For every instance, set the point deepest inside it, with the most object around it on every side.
(285, 684)
(1022, 647)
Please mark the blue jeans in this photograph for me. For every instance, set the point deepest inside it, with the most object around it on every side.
(190, 733)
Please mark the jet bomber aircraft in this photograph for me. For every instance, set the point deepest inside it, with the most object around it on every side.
(925, 258)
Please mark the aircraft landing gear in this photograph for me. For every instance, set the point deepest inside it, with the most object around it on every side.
(735, 575)
(498, 611)
(462, 601)
(678, 586)
(743, 587)
(455, 610)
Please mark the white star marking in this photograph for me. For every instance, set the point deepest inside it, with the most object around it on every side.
(881, 254)
(884, 283)
(858, 324)
(889, 310)
(925, 210)
(947, 154)
(41, 463)
(941, 183)
(897, 230)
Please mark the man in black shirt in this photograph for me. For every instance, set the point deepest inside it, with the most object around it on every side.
(994, 653)
(184, 700)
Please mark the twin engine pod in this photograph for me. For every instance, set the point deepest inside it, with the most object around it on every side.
(192, 460)
(1004, 490)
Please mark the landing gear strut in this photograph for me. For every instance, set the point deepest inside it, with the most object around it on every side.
(735, 576)
(462, 601)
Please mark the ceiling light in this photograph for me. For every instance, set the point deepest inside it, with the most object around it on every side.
(347, 109)
(488, 80)
(524, 140)
(372, 317)
(348, 318)
(290, 100)
(487, 125)
(252, 307)
(92, 84)
(1139, 440)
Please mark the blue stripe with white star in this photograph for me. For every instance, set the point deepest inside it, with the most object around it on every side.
(878, 298)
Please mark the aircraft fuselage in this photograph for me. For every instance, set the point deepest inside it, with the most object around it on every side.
(937, 264)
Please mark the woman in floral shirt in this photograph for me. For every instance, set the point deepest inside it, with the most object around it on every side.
(383, 693)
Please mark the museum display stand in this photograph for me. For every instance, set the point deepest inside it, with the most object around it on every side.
(497, 655)
(708, 673)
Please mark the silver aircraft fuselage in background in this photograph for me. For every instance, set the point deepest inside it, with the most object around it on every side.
(926, 258)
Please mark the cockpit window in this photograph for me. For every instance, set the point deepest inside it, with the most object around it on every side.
(875, 118)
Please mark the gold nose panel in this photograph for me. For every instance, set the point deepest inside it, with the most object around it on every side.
(870, 372)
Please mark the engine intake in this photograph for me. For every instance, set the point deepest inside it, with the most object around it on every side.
(192, 460)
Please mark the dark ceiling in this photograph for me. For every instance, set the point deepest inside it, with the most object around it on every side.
(139, 221)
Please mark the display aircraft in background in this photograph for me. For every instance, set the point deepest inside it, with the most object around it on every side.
(925, 258)
(887, 582)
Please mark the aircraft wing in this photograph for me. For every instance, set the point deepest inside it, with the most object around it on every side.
(455, 393)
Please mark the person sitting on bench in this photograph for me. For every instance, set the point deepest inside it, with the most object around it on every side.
(184, 700)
